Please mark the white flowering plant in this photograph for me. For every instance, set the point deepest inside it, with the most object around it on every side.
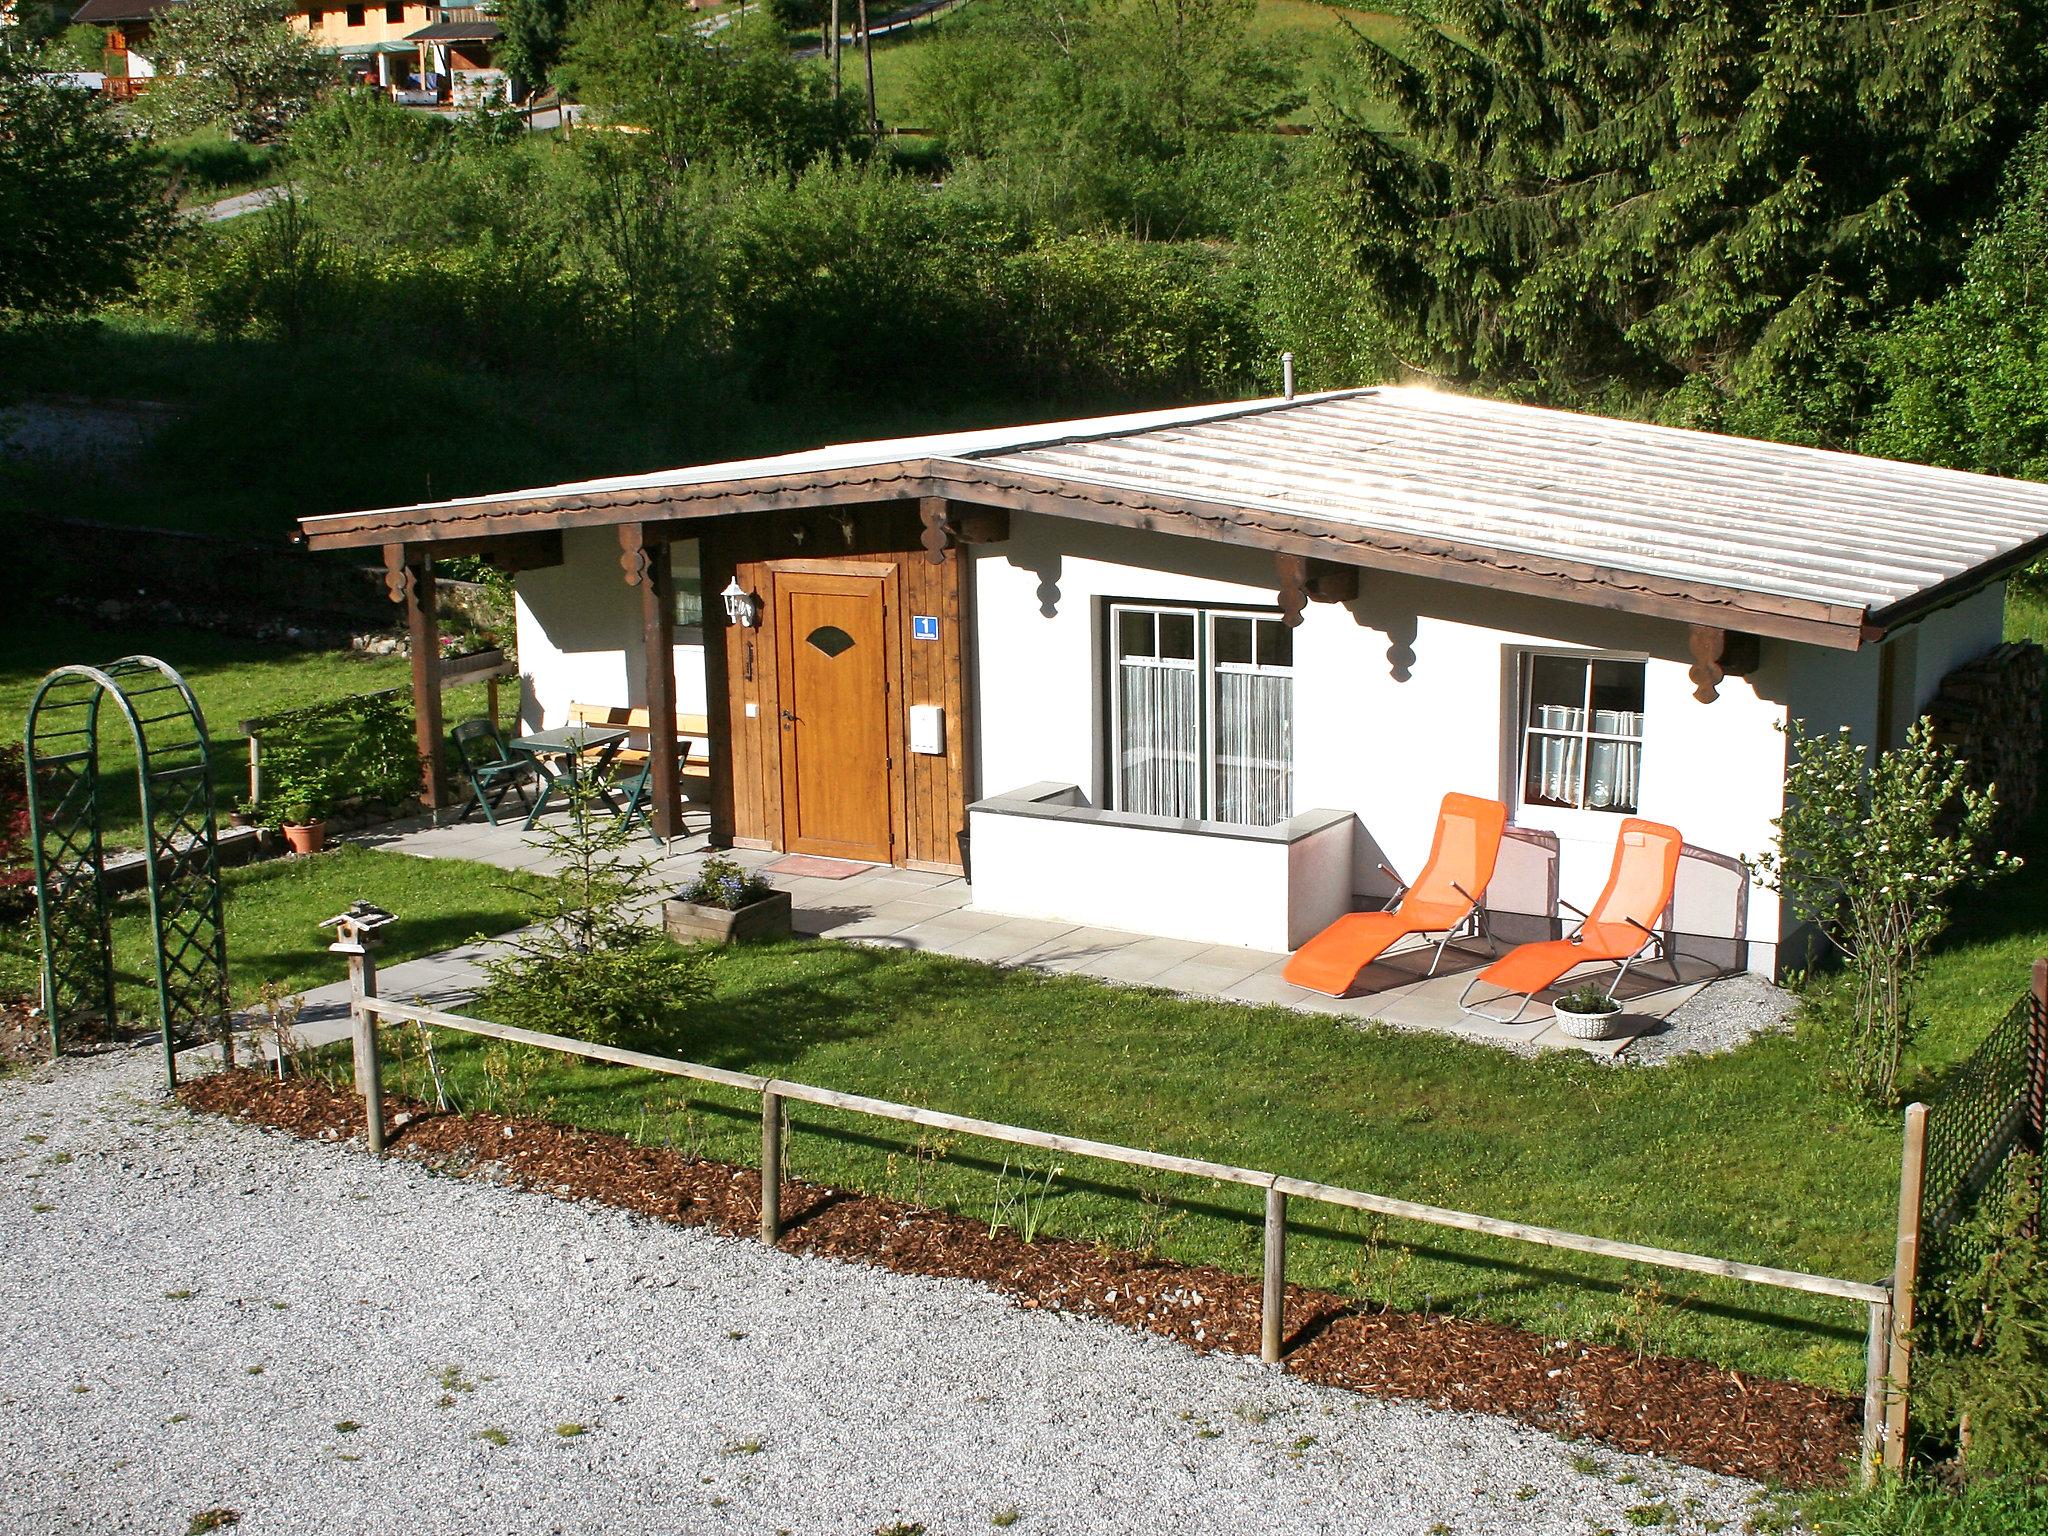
(1872, 852)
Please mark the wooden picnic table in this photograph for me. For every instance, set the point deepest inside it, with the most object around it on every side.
(565, 754)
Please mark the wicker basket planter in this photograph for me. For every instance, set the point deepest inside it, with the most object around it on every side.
(689, 923)
(1588, 1024)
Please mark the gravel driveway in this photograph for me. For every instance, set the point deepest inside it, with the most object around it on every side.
(196, 1315)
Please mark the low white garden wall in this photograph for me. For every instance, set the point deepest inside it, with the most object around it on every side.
(1043, 852)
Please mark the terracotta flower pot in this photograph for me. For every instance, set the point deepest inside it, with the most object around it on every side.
(305, 837)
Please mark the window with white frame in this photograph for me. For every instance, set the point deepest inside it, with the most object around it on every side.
(1581, 731)
(1201, 713)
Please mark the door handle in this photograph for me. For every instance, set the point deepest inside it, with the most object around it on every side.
(789, 715)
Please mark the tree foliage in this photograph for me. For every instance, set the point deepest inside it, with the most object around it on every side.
(80, 206)
(233, 62)
(532, 35)
(1871, 855)
(1653, 191)
(1963, 379)
(735, 94)
(1145, 113)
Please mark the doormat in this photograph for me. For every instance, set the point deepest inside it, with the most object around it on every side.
(817, 868)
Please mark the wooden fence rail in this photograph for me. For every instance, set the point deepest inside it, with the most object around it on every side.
(1883, 1351)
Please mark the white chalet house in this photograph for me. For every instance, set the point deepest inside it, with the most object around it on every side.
(1203, 672)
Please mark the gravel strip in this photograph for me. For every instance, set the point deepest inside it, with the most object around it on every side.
(1719, 1017)
(197, 1315)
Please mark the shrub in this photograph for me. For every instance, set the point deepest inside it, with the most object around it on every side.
(17, 861)
(1984, 1372)
(358, 748)
(1871, 855)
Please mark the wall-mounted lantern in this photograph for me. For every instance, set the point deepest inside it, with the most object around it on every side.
(740, 606)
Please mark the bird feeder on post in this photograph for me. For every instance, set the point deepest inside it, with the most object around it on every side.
(355, 936)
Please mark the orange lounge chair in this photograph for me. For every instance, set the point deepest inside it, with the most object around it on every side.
(1444, 899)
(1621, 926)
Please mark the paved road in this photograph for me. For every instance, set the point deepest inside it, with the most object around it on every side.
(198, 1316)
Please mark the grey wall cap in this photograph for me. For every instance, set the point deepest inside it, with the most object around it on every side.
(1050, 800)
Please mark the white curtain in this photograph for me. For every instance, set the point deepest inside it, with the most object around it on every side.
(1613, 768)
(1159, 759)
(1254, 748)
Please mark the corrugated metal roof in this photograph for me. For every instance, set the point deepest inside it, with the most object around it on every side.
(1394, 471)
(1694, 506)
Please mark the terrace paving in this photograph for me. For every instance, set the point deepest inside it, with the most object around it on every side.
(912, 909)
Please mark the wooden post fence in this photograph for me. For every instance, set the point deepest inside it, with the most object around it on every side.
(776, 1093)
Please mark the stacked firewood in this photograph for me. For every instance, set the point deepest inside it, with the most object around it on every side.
(1989, 711)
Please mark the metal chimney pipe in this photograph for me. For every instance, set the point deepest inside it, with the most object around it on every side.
(1287, 374)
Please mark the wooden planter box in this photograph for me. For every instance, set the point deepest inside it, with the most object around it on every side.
(688, 923)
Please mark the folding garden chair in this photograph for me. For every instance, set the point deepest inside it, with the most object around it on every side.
(494, 769)
(638, 788)
(1444, 899)
(1622, 925)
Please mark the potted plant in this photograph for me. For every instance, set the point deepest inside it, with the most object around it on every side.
(299, 802)
(246, 813)
(726, 905)
(1586, 1013)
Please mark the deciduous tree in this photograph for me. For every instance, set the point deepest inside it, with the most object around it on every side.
(80, 207)
(233, 62)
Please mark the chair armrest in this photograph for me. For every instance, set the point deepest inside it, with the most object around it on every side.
(1581, 911)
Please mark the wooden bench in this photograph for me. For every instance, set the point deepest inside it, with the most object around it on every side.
(692, 729)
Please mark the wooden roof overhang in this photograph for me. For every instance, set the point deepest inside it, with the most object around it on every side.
(475, 527)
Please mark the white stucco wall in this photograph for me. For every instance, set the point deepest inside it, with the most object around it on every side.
(579, 634)
(1400, 696)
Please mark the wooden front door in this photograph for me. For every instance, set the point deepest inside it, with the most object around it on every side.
(834, 659)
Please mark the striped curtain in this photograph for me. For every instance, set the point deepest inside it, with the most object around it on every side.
(1254, 748)
(1159, 760)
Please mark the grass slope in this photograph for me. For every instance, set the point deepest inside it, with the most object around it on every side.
(233, 679)
(273, 912)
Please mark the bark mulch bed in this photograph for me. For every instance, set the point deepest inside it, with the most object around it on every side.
(1687, 1410)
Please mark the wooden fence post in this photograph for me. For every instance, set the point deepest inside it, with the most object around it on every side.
(2035, 1132)
(1877, 1349)
(1905, 1275)
(1272, 1318)
(362, 983)
(771, 1168)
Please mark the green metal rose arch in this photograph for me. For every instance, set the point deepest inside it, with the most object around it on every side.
(67, 824)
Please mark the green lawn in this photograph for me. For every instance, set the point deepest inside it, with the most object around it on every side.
(233, 679)
(273, 912)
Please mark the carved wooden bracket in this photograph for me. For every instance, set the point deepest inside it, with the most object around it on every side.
(936, 513)
(1303, 580)
(634, 557)
(398, 575)
(948, 523)
(1719, 653)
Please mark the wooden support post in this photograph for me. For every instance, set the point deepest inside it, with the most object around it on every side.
(1905, 1275)
(362, 983)
(716, 569)
(645, 559)
(1876, 1354)
(255, 770)
(771, 1168)
(410, 580)
(1272, 1307)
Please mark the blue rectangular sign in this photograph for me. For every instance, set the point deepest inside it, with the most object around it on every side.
(924, 626)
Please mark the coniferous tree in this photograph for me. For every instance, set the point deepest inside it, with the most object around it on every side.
(1578, 193)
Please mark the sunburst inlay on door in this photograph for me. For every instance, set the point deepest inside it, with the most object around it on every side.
(830, 639)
